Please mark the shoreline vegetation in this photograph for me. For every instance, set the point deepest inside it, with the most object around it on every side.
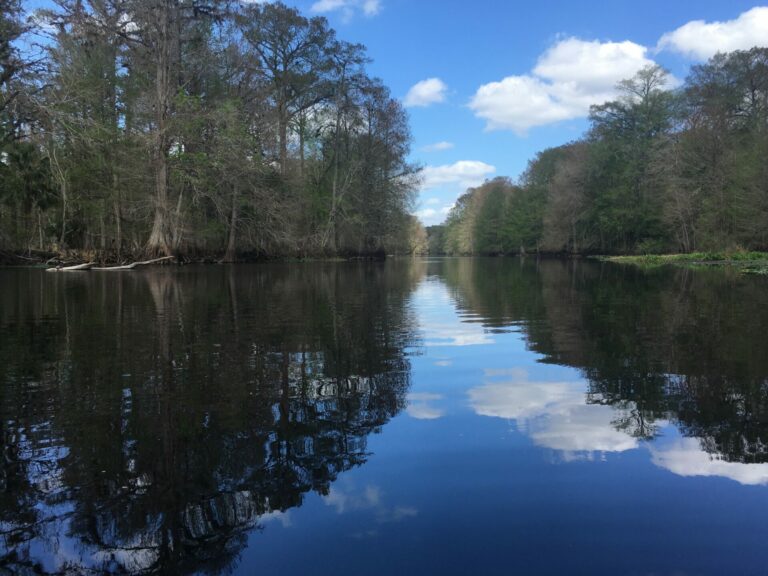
(746, 262)
(740, 260)
(70, 258)
(217, 131)
(661, 170)
(247, 131)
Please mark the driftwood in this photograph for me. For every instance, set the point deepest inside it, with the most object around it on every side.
(87, 266)
(133, 265)
(92, 265)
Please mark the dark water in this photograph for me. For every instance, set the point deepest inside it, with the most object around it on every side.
(414, 417)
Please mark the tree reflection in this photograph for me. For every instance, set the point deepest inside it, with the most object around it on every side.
(150, 420)
(667, 345)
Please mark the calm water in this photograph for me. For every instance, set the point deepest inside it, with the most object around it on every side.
(416, 417)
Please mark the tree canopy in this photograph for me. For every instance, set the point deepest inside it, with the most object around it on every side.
(202, 128)
(658, 170)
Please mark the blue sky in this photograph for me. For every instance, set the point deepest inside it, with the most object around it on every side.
(504, 80)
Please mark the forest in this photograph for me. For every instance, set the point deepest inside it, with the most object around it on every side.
(210, 129)
(200, 128)
(661, 169)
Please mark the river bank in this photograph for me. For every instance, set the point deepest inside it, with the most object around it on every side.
(45, 259)
(746, 262)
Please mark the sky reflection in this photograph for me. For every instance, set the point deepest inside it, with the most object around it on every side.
(554, 414)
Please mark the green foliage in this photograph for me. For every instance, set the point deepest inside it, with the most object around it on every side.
(744, 261)
(12, 66)
(659, 171)
(26, 189)
(25, 176)
(211, 129)
(436, 240)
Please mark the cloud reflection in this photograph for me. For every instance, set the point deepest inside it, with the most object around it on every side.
(442, 328)
(456, 335)
(419, 406)
(349, 499)
(554, 414)
(685, 457)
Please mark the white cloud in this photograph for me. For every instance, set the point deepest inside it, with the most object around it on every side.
(438, 330)
(568, 78)
(283, 518)
(445, 334)
(700, 40)
(371, 7)
(515, 373)
(430, 216)
(419, 406)
(518, 103)
(464, 173)
(686, 458)
(594, 65)
(426, 213)
(582, 428)
(520, 399)
(347, 498)
(554, 414)
(347, 8)
(424, 396)
(438, 146)
(448, 181)
(425, 93)
(328, 5)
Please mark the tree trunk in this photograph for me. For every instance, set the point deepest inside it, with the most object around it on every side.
(283, 129)
(160, 239)
(103, 226)
(62, 238)
(331, 231)
(118, 226)
(301, 148)
(40, 227)
(231, 254)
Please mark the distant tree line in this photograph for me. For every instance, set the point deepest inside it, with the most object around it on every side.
(659, 170)
(197, 127)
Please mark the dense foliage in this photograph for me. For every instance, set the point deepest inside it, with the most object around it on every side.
(185, 126)
(659, 170)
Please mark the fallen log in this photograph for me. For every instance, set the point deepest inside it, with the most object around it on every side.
(133, 265)
(86, 266)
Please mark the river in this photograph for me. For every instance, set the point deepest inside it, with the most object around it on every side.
(418, 416)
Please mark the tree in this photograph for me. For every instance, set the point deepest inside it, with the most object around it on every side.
(12, 65)
(293, 53)
(723, 147)
(565, 219)
(185, 126)
(625, 135)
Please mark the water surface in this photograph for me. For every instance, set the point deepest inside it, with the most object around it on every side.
(441, 416)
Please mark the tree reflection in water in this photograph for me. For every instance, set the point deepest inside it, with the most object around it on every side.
(669, 345)
(150, 420)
